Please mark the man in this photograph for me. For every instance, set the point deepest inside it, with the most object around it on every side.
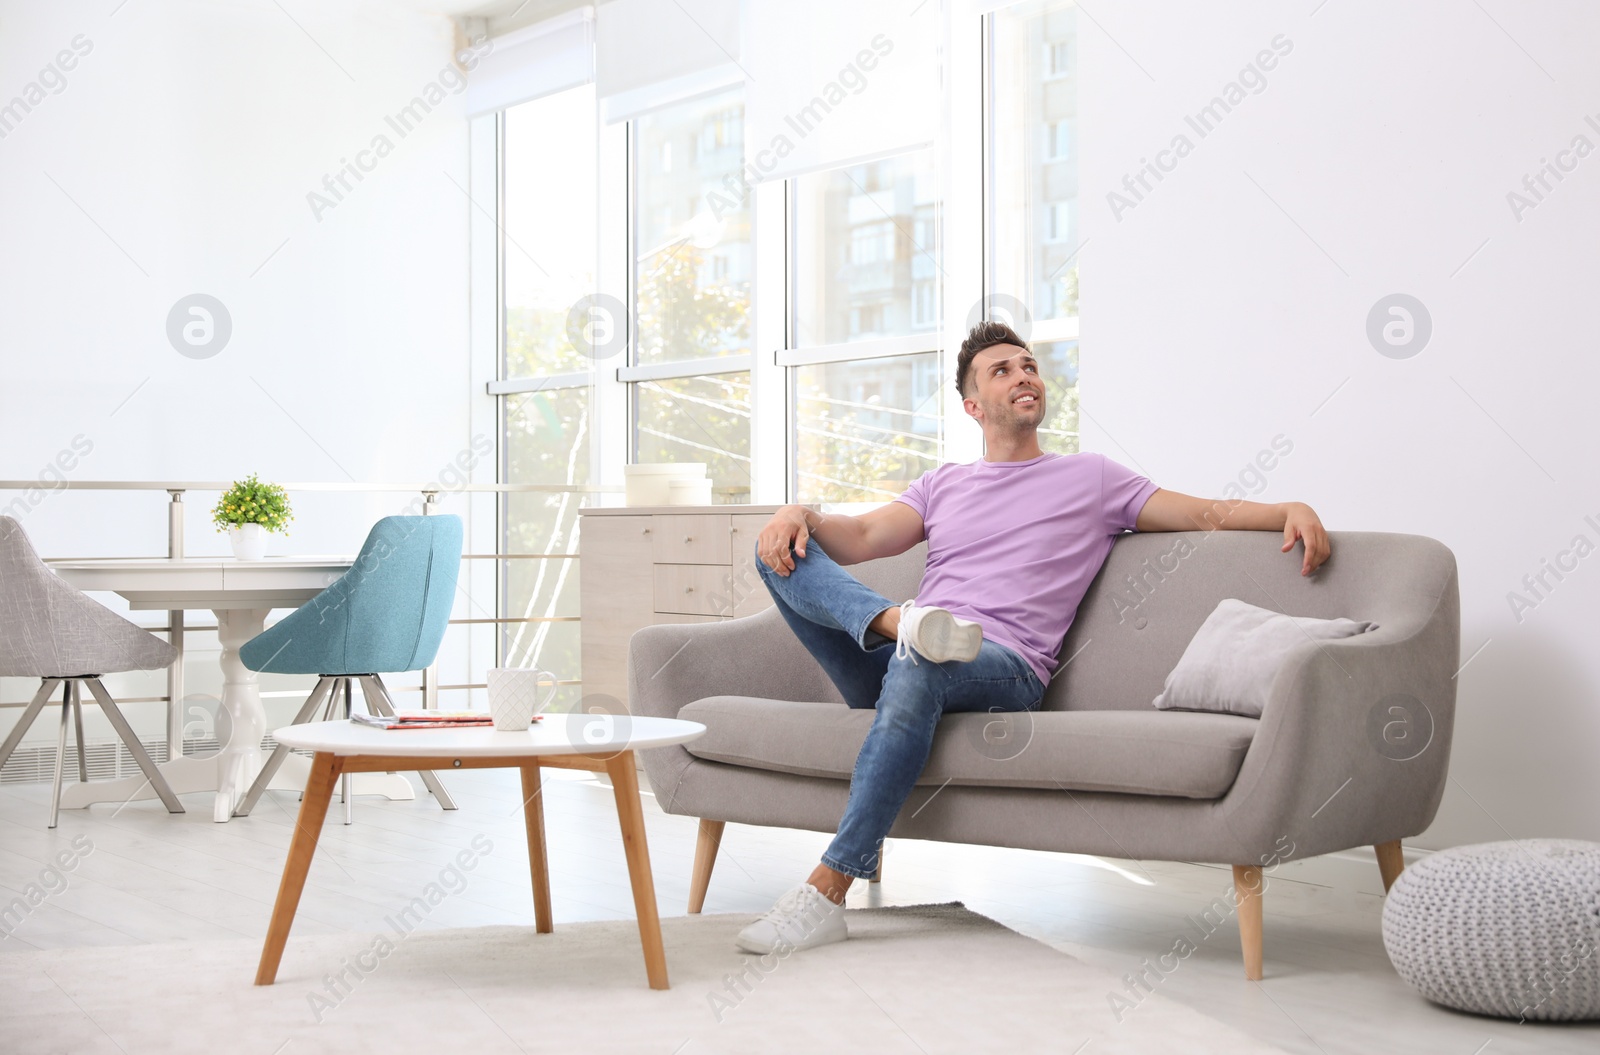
(1013, 542)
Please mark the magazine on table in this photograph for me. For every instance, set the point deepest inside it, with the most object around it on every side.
(428, 720)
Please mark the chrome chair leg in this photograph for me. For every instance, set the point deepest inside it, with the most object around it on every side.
(377, 695)
(47, 688)
(61, 756)
(113, 714)
(332, 703)
(344, 780)
(279, 753)
(77, 718)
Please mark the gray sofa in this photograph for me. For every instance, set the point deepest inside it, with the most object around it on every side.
(1352, 750)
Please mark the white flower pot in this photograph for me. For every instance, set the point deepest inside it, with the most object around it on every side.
(249, 541)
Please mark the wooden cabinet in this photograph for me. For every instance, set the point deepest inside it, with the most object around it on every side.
(642, 566)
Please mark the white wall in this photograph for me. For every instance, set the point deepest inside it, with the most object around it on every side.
(1214, 319)
(177, 160)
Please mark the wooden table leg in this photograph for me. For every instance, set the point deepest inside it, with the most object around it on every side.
(538, 858)
(325, 769)
(625, 785)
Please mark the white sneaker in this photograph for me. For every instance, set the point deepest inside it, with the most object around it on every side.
(933, 633)
(803, 917)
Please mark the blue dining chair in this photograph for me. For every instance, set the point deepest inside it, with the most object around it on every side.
(387, 613)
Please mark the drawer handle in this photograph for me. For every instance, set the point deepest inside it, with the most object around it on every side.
(688, 589)
(646, 531)
(688, 538)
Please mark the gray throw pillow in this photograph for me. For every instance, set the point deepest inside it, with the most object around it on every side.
(1238, 651)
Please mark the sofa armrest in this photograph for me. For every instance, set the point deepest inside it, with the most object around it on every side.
(1354, 745)
(673, 664)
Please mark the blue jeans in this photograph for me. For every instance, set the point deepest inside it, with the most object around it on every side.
(829, 609)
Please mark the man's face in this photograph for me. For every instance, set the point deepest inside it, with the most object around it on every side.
(1005, 390)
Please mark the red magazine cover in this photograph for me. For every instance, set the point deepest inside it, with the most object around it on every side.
(413, 719)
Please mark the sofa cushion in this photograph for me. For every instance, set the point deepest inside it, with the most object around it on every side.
(1236, 655)
(1177, 753)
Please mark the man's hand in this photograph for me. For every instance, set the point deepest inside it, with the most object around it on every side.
(1301, 522)
(787, 528)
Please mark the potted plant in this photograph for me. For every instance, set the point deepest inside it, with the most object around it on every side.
(247, 511)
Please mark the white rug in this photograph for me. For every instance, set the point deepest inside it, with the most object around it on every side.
(931, 978)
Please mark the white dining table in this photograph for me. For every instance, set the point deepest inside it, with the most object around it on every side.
(241, 593)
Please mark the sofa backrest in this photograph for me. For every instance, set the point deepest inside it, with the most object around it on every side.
(1156, 588)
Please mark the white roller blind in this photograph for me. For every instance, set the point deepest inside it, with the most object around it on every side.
(529, 63)
(837, 81)
(650, 53)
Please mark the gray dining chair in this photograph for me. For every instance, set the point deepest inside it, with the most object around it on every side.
(66, 639)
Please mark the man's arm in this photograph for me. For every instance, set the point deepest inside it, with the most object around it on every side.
(1171, 511)
(882, 532)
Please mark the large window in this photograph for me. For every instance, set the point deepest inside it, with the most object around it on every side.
(548, 266)
(865, 251)
(548, 223)
(692, 231)
(1032, 208)
(692, 267)
(867, 428)
(548, 437)
(701, 418)
(864, 333)
(1033, 172)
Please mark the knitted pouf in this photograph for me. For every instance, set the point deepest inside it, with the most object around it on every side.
(1510, 929)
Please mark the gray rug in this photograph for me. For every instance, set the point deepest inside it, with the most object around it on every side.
(931, 978)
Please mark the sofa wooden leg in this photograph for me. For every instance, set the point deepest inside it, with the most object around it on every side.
(1390, 862)
(1247, 895)
(705, 855)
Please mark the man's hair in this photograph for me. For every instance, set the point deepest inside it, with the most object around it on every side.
(984, 335)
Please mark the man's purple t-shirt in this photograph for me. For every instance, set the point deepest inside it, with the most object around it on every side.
(1013, 546)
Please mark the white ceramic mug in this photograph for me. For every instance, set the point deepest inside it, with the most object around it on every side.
(514, 696)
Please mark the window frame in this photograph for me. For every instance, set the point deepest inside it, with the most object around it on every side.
(963, 222)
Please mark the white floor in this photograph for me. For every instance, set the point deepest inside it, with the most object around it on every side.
(140, 875)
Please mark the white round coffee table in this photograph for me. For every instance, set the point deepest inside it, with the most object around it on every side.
(598, 742)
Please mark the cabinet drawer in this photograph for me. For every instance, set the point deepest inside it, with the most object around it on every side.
(693, 589)
(742, 534)
(614, 573)
(749, 593)
(690, 539)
